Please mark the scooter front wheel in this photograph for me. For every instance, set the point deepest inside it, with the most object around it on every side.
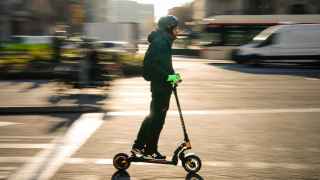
(191, 163)
(121, 161)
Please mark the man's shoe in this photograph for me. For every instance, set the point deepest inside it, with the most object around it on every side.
(158, 156)
(148, 157)
(137, 151)
(154, 156)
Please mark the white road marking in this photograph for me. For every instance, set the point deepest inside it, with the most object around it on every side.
(221, 164)
(21, 159)
(48, 161)
(311, 79)
(28, 137)
(224, 86)
(220, 112)
(8, 168)
(240, 147)
(8, 123)
(24, 146)
(24, 139)
(12, 140)
(118, 142)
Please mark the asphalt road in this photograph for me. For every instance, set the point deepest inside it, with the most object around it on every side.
(244, 122)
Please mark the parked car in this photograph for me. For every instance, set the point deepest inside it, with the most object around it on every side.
(297, 43)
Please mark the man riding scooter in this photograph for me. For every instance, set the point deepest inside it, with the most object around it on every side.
(159, 71)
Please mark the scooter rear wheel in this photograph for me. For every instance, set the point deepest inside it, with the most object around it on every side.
(121, 161)
(191, 163)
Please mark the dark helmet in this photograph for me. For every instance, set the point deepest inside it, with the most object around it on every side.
(168, 22)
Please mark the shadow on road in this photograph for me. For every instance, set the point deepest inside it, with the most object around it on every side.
(33, 85)
(273, 69)
(124, 175)
(78, 99)
(192, 176)
(69, 119)
(120, 175)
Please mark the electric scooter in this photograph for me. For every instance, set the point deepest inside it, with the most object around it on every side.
(190, 162)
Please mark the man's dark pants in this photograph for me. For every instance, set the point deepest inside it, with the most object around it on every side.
(152, 125)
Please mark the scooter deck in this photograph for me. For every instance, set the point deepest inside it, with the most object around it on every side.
(156, 161)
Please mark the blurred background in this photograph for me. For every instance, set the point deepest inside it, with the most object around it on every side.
(72, 95)
(46, 31)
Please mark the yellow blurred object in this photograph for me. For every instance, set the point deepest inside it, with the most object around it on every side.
(40, 54)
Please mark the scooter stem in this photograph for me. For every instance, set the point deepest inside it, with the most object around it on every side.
(186, 138)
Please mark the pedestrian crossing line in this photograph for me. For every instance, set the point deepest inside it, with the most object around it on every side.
(244, 147)
(20, 159)
(27, 137)
(8, 123)
(311, 79)
(216, 164)
(8, 168)
(219, 112)
(23, 146)
(3, 177)
(225, 86)
(46, 163)
(33, 141)
(265, 165)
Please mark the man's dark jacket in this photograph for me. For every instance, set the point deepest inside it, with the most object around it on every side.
(158, 60)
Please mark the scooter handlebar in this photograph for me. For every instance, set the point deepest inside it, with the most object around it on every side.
(174, 86)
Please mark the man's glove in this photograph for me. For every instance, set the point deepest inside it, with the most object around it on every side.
(173, 79)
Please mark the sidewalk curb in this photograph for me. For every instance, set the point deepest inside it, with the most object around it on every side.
(20, 110)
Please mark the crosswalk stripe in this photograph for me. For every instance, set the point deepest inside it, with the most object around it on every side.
(8, 123)
(245, 147)
(27, 137)
(23, 146)
(221, 164)
(220, 112)
(44, 165)
(15, 159)
(7, 168)
(312, 79)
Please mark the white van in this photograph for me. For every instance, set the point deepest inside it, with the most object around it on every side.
(298, 43)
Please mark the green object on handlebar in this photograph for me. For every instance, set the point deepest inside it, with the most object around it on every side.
(179, 77)
(174, 79)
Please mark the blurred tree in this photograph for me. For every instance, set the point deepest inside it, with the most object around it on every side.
(183, 13)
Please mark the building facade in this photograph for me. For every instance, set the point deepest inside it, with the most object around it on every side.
(96, 10)
(207, 8)
(118, 11)
(121, 11)
(20, 17)
(35, 17)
